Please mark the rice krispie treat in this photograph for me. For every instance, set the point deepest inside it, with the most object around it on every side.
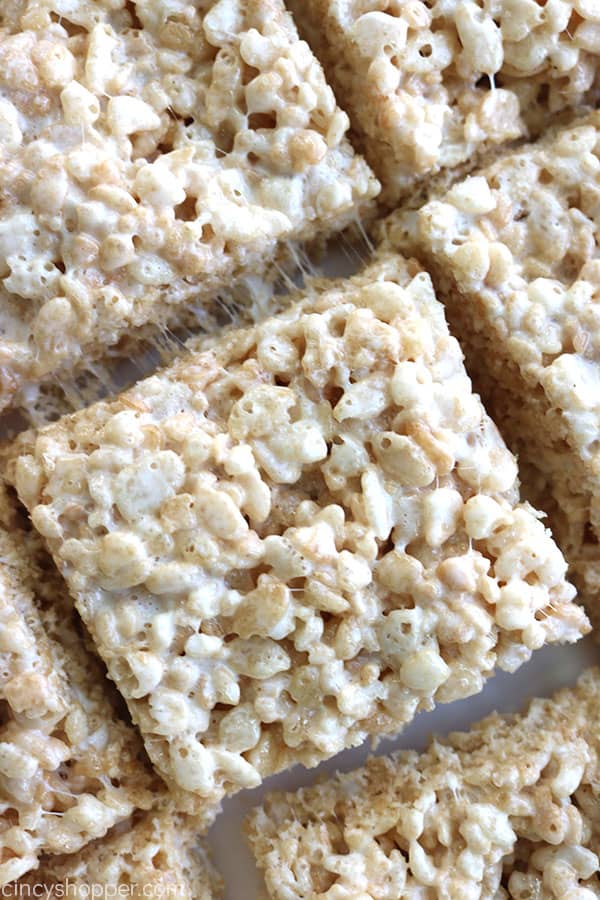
(508, 809)
(69, 767)
(137, 356)
(151, 153)
(298, 537)
(156, 855)
(514, 251)
(433, 86)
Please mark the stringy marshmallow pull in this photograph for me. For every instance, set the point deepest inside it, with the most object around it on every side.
(151, 155)
(297, 536)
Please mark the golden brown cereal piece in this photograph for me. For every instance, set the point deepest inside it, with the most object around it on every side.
(69, 767)
(514, 251)
(434, 86)
(298, 537)
(155, 855)
(151, 154)
(508, 809)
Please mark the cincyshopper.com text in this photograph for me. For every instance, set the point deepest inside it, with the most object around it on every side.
(79, 891)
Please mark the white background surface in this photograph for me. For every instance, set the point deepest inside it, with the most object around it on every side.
(549, 669)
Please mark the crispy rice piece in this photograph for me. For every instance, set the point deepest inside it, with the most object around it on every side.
(299, 537)
(508, 809)
(134, 358)
(69, 767)
(434, 86)
(156, 855)
(514, 252)
(150, 154)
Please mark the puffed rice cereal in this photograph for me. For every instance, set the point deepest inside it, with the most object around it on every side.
(432, 86)
(507, 810)
(157, 855)
(298, 537)
(139, 355)
(514, 250)
(69, 768)
(151, 153)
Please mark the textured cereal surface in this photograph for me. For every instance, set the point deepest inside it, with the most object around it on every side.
(433, 85)
(155, 855)
(515, 253)
(140, 354)
(299, 537)
(507, 810)
(69, 768)
(150, 153)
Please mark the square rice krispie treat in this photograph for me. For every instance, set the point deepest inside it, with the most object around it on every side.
(151, 153)
(509, 809)
(298, 537)
(514, 251)
(434, 86)
(153, 855)
(70, 768)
